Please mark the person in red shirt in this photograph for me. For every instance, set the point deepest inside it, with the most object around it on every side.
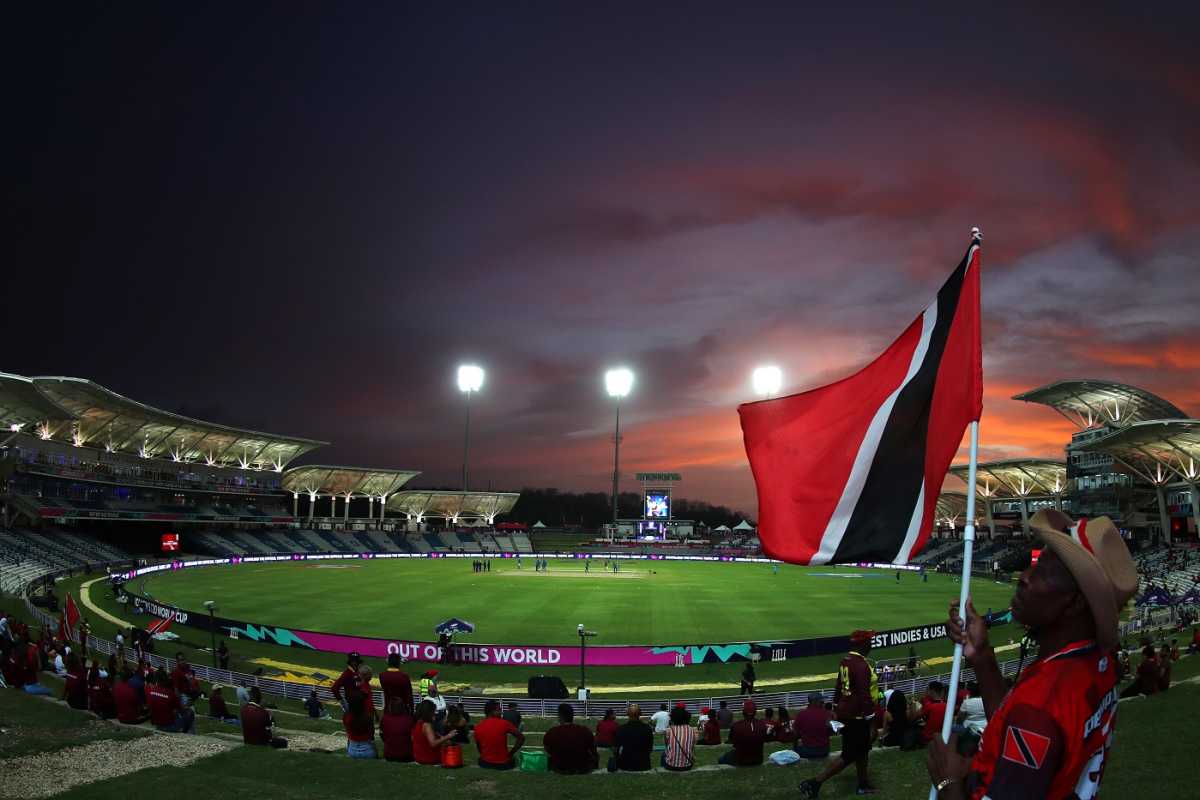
(167, 713)
(360, 726)
(747, 736)
(128, 702)
(426, 744)
(396, 732)
(258, 724)
(491, 738)
(183, 681)
(217, 708)
(1148, 672)
(606, 730)
(100, 696)
(854, 697)
(710, 732)
(75, 686)
(811, 730)
(1050, 735)
(932, 711)
(397, 688)
(570, 748)
(347, 679)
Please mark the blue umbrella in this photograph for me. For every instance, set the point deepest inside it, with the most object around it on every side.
(454, 625)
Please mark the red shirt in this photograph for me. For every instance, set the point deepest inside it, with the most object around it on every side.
(422, 752)
(396, 732)
(712, 730)
(361, 729)
(492, 737)
(129, 705)
(256, 724)
(606, 731)
(811, 725)
(397, 691)
(1148, 675)
(164, 704)
(347, 679)
(101, 697)
(747, 737)
(182, 678)
(217, 707)
(934, 714)
(76, 688)
(1050, 736)
(852, 695)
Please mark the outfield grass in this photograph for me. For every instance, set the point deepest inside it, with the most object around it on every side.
(792, 596)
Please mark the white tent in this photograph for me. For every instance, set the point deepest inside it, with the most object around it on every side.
(721, 528)
(538, 524)
(743, 526)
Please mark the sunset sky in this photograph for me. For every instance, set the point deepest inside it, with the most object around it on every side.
(302, 217)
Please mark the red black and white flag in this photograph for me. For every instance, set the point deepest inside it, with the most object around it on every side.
(851, 472)
(159, 625)
(68, 621)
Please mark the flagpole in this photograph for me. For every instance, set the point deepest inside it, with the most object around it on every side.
(964, 591)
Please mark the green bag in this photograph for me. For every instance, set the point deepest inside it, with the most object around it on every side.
(534, 761)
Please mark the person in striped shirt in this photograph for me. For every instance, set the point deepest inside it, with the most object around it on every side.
(681, 742)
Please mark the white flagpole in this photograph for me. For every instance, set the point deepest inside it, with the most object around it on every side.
(968, 551)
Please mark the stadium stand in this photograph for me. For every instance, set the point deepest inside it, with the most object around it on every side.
(521, 543)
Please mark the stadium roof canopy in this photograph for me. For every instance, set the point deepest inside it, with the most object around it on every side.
(345, 481)
(21, 404)
(1161, 451)
(422, 503)
(1090, 403)
(1017, 477)
(951, 508)
(105, 419)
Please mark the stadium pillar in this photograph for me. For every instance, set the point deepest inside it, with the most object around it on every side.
(1164, 520)
(1025, 515)
(382, 508)
(991, 521)
(295, 504)
(312, 504)
(1195, 501)
(346, 510)
(1058, 501)
(616, 465)
(370, 506)
(333, 506)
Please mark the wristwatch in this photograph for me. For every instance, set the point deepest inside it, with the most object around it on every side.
(944, 782)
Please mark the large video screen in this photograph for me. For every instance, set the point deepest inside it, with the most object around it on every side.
(658, 505)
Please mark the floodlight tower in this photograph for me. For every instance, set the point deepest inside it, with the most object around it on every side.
(618, 382)
(767, 381)
(470, 379)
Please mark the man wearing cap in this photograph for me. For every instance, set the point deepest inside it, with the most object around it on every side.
(854, 699)
(747, 737)
(1049, 736)
(347, 680)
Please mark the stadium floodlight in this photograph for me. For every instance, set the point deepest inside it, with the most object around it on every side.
(470, 379)
(212, 628)
(618, 382)
(767, 381)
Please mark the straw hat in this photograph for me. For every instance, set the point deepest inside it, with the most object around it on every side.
(1098, 558)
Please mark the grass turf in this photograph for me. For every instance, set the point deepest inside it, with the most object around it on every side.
(382, 593)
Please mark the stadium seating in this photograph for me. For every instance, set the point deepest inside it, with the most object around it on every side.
(27, 555)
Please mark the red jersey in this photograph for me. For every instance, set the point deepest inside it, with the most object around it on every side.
(606, 733)
(397, 691)
(422, 752)
(256, 724)
(934, 712)
(854, 694)
(1052, 731)
(491, 734)
(129, 705)
(164, 703)
(396, 732)
(348, 679)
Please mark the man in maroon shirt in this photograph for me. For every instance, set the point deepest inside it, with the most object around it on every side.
(183, 681)
(128, 702)
(167, 713)
(571, 748)
(397, 688)
(257, 723)
(347, 680)
(854, 698)
(811, 727)
(747, 736)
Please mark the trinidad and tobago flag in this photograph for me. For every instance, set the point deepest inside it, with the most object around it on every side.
(851, 471)
(68, 621)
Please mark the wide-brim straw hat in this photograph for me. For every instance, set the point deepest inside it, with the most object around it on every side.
(1097, 557)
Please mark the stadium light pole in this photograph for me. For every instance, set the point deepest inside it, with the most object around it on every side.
(212, 629)
(470, 379)
(584, 635)
(767, 381)
(618, 382)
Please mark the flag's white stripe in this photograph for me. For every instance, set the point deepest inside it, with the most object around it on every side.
(836, 529)
(914, 528)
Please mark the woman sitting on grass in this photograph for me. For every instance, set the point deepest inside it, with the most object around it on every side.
(360, 726)
(681, 742)
(427, 745)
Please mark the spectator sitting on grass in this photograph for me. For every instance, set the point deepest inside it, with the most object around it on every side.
(633, 743)
(100, 696)
(724, 716)
(1147, 679)
(491, 738)
(426, 744)
(811, 729)
(513, 715)
(710, 731)
(358, 722)
(258, 726)
(661, 719)
(972, 716)
(783, 726)
(458, 723)
(747, 736)
(183, 680)
(1164, 668)
(570, 748)
(932, 711)
(128, 701)
(28, 662)
(167, 712)
(606, 729)
(434, 696)
(680, 755)
(896, 727)
(75, 686)
(314, 706)
(217, 708)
